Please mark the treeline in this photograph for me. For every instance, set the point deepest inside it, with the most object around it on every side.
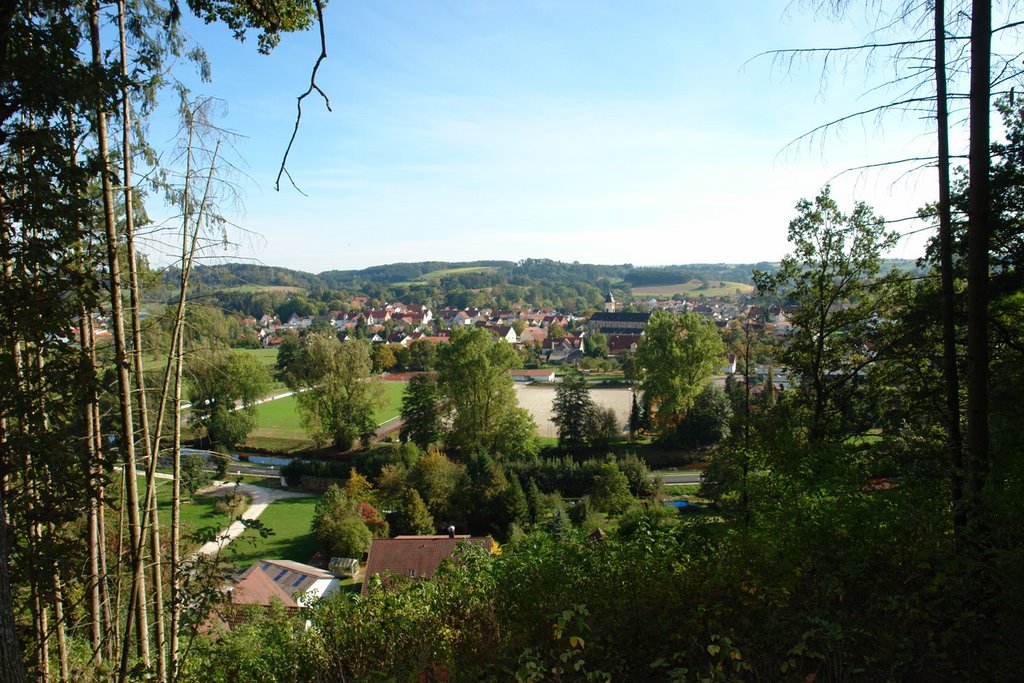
(569, 287)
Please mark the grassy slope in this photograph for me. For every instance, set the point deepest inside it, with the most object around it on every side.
(436, 274)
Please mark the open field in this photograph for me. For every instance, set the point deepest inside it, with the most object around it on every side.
(693, 288)
(279, 427)
(261, 288)
(267, 357)
(289, 519)
(436, 274)
(538, 400)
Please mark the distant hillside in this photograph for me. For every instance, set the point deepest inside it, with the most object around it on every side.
(252, 276)
(246, 276)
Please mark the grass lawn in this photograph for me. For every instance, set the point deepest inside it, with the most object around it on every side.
(279, 427)
(289, 519)
(195, 514)
(267, 357)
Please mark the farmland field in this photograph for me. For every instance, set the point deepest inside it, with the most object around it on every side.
(261, 288)
(436, 274)
(694, 288)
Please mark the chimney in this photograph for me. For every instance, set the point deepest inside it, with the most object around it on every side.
(451, 531)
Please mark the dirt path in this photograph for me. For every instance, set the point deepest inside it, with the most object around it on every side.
(260, 497)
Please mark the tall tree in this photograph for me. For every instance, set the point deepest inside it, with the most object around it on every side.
(338, 401)
(421, 411)
(677, 357)
(224, 388)
(833, 294)
(572, 410)
(472, 373)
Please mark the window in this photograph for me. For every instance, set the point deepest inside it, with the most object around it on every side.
(280, 574)
(296, 582)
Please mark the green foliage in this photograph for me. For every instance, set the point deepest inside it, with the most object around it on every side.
(218, 381)
(339, 400)
(831, 280)
(677, 357)
(421, 411)
(596, 345)
(707, 422)
(436, 479)
(571, 412)
(412, 518)
(383, 357)
(266, 645)
(583, 515)
(339, 526)
(472, 374)
(283, 16)
(193, 476)
(610, 490)
(602, 426)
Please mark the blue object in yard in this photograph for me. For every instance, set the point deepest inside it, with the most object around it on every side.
(678, 503)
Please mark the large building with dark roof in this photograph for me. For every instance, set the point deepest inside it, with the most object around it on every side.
(618, 323)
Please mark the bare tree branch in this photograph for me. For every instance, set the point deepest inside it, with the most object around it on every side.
(312, 86)
(864, 112)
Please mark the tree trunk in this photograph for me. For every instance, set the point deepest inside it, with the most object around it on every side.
(127, 436)
(148, 454)
(12, 668)
(951, 381)
(978, 229)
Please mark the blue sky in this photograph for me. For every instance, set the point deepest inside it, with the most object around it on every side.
(600, 132)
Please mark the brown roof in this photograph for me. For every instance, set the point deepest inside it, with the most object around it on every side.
(531, 373)
(255, 587)
(417, 556)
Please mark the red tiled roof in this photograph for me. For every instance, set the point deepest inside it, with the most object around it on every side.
(417, 556)
(256, 588)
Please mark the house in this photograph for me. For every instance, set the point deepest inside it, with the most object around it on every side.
(502, 332)
(532, 335)
(378, 316)
(293, 583)
(532, 375)
(619, 344)
(300, 322)
(415, 556)
(567, 349)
